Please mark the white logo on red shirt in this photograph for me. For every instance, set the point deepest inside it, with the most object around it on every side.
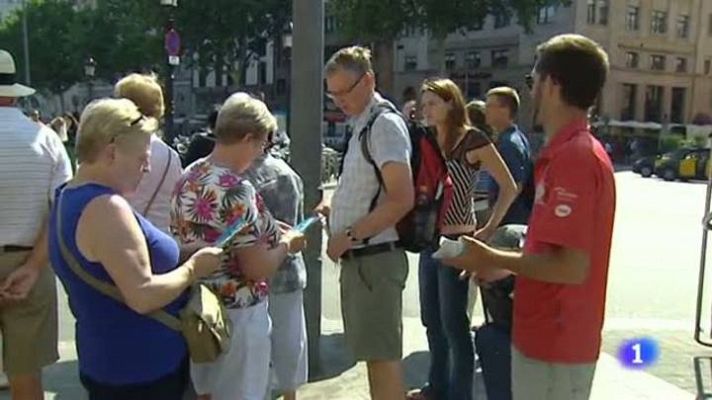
(564, 195)
(562, 210)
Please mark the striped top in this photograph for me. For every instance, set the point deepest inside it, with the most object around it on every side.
(464, 179)
(33, 163)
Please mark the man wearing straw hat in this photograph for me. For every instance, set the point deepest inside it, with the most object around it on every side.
(33, 162)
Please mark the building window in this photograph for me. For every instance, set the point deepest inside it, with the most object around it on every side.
(591, 12)
(411, 63)
(450, 61)
(631, 59)
(707, 66)
(677, 108)
(632, 18)
(657, 62)
(545, 15)
(653, 103)
(281, 86)
(474, 90)
(659, 22)
(501, 19)
(681, 64)
(473, 59)
(500, 58)
(709, 25)
(683, 26)
(603, 12)
(630, 94)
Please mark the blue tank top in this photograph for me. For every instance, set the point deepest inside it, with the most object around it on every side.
(115, 344)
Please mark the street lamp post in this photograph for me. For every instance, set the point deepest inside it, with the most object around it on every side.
(25, 43)
(306, 107)
(89, 72)
(287, 41)
(172, 46)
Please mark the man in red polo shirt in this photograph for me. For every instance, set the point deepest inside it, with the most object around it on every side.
(560, 292)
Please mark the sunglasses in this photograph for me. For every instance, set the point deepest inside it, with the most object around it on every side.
(529, 81)
(131, 124)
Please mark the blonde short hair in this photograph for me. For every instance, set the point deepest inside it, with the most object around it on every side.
(108, 121)
(354, 59)
(240, 115)
(508, 96)
(144, 91)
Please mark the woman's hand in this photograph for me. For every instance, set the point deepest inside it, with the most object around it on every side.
(295, 241)
(204, 262)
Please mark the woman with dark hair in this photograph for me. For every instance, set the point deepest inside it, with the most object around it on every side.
(443, 294)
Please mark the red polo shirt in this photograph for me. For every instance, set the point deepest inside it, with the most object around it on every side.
(574, 208)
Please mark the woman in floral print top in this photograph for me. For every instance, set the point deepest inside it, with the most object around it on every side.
(210, 196)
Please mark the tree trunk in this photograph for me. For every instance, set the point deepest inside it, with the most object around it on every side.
(61, 102)
(219, 70)
(242, 62)
(441, 55)
(384, 65)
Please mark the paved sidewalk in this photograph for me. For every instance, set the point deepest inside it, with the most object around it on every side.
(346, 381)
(341, 379)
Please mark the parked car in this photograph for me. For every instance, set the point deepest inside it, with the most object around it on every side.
(684, 163)
(645, 166)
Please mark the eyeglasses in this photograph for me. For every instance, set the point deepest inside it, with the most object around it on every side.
(131, 124)
(529, 80)
(334, 96)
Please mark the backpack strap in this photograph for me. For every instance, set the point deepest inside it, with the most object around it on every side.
(103, 287)
(364, 137)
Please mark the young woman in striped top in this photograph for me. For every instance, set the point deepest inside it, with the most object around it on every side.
(443, 295)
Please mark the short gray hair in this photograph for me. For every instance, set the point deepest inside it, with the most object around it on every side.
(354, 59)
(241, 115)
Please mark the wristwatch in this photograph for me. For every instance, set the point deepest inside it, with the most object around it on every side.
(349, 234)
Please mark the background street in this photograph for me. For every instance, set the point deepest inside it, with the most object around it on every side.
(652, 286)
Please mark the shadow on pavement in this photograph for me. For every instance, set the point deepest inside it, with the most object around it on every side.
(415, 369)
(335, 358)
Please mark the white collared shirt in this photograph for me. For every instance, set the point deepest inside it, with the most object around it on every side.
(33, 163)
(160, 212)
(388, 142)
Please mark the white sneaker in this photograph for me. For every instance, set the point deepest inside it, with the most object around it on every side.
(4, 384)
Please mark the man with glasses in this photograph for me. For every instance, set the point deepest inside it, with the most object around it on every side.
(363, 215)
(562, 273)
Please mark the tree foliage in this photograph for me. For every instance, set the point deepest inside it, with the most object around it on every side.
(55, 63)
(227, 34)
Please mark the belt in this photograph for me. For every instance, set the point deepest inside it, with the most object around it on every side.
(11, 248)
(371, 250)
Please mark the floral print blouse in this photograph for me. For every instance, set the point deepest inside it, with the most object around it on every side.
(207, 200)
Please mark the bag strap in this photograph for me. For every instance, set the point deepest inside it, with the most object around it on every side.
(104, 287)
(364, 137)
(160, 183)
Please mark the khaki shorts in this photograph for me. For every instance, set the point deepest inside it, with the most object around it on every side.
(29, 327)
(539, 380)
(372, 304)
